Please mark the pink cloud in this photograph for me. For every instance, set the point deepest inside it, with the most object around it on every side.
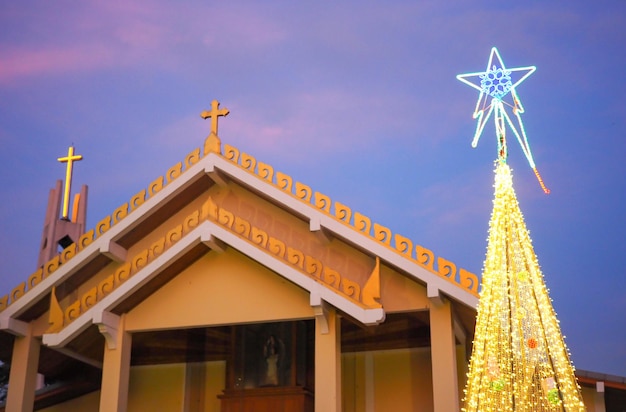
(112, 34)
(20, 63)
(239, 28)
(320, 120)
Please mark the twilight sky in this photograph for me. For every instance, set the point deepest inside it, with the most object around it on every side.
(357, 99)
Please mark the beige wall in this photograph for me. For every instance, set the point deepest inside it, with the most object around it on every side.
(594, 400)
(390, 380)
(156, 388)
(588, 398)
(402, 382)
(221, 288)
(85, 403)
(214, 385)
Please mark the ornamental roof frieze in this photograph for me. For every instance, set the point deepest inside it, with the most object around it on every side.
(364, 294)
(359, 223)
(61, 317)
(295, 232)
(399, 244)
(102, 227)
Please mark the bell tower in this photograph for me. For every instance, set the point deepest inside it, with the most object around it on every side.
(62, 228)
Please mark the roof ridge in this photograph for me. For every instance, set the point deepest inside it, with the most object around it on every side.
(362, 224)
(61, 318)
(364, 296)
(103, 226)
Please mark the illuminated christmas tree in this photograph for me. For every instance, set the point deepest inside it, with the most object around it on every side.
(519, 360)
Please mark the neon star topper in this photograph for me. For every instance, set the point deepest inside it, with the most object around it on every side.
(494, 84)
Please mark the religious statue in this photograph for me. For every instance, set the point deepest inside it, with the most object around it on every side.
(273, 352)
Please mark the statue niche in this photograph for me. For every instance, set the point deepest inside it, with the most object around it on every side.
(270, 367)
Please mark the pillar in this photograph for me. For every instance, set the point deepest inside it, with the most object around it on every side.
(443, 356)
(23, 377)
(116, 369)
(328, 362)
(598, 404)
(195, 387)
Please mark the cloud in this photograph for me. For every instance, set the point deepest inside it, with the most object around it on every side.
(19, 63)
(320, 121)
(103, 35)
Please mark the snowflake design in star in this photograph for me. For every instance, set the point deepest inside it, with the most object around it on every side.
(496, 82)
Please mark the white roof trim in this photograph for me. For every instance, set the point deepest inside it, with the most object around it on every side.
(101, 245)
(317, 219)
(204, 233)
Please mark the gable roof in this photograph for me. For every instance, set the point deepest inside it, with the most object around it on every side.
(209, 228)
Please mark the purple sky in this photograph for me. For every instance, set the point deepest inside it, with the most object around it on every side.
(359, 100)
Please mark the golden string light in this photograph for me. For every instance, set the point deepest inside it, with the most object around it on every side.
(519, 360)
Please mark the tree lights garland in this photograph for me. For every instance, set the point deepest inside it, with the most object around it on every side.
(519, 360)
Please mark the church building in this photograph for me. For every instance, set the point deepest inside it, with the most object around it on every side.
(225, 285)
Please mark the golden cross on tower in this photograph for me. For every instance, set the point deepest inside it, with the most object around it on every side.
(214, 113)
(69, 159)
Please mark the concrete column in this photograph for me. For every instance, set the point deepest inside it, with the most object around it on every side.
(23, 377)
(328, 363)
(116, 371)
(195, 387)
(599, 404)
(443, 355)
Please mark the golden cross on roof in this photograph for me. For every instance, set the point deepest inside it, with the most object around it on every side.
(69, 159)
(214, 113)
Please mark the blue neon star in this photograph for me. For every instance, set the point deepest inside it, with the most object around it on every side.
(494, 84)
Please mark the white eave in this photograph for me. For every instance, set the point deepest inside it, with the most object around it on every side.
(219, 169)
(209, 233)
(318, 220)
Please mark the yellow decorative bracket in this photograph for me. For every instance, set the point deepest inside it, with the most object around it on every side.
(55, 314)
(371, 290)
(320, 309)
(108, 325)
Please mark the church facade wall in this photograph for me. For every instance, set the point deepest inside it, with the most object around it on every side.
(218, 289)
